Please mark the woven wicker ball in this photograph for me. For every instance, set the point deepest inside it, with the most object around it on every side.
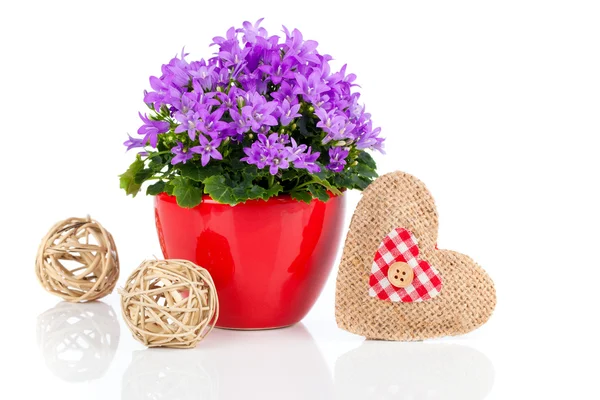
(169, 303)
(77, 260)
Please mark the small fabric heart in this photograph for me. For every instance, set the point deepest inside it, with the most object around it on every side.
(421, 283)
(393, 282)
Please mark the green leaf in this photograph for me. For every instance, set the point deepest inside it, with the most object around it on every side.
(250, 172)
(272, 191)
(319, 192)
(127, 179)
(198, 173)
(156, 159)
(169, 188)
(236, 164)
(364, 170)
(141, 176)
(291, 174)
(301, 195)
(362, 182)
(327, 185)
(156, 188)
(187, 194)
(156, 163)
(342, 180)
(366, 159)
(256, 192)
(248, 191)
(216, 186)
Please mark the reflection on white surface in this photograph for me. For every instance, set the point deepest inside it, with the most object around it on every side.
(416, 371)
(173, 374)
(276, 364)
(78, 341)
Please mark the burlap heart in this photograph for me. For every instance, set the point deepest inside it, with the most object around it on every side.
(467, 297)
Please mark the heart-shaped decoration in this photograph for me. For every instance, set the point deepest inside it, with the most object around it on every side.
(397, 273)
(455, 295)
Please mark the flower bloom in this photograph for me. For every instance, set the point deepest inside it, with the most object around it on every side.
(181, 155)
(207, 149)
(272, 99)
(151, 129)
(337, 159)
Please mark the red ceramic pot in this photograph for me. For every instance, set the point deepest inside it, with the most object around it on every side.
(269, 259)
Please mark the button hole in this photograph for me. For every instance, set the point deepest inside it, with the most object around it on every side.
(404, 273)
(396, 277)
(402, 279)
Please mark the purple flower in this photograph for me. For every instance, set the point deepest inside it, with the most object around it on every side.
(296, 47)
(207, 149)
(240, 124)
(223, 41)
(276, 159)
(151, 129)
(181, 154)
(259, 113)
(302, 157)
(189, 123)
(288, 113)
(310, 88)
(369, 138)
(337, 159)
(273, 141)
(186, 103)
(211, 124)
(278, 69)
(251, 32)
(229, 100)
(285, 92)
(253, 85)
(133, 143)
(328, 119)
(356, 110)
(233, 56)
(253, 82)
(308, 161)
(203, 74)
(255, 155)
(269, 151)
(296, 150)
(176, 71)
(205, 100)
(163, 92)
(282, 139)
(340, 82)
(341, 130)
(255, 57)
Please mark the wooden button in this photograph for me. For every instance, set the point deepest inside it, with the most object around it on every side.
(400, 274)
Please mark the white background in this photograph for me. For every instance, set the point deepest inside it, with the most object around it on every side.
(494, 104)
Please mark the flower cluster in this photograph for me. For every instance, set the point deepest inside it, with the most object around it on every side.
(266, 101)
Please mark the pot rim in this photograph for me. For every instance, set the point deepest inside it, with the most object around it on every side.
(281, 198)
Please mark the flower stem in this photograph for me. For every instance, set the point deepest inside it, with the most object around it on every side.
(150, 155)
(306, 184)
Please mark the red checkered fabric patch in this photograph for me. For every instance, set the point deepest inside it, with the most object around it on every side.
(400, 245)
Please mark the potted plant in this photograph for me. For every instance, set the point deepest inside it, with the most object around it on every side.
(248, 155)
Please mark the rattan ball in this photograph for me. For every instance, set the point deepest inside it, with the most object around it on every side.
(78, 261)
(169, 303)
